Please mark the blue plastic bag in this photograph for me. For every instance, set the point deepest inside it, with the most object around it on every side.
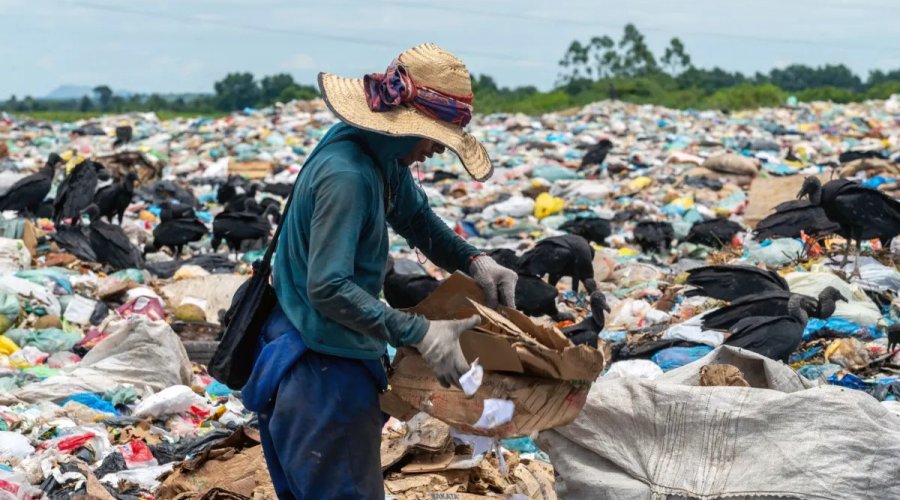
(93, 401)
(813, 372)
(675, 357)
(839, 325)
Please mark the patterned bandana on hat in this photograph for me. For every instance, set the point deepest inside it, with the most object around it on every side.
(396, 87)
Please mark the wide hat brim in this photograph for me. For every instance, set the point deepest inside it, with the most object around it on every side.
(346, 98)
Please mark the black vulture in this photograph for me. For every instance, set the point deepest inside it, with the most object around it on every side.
(792, 217)
(848, 156)
(590, 228)
(587, 331)
(771, 303)
(534, 296)
(654, 236)
(124, 135)
(558, 256)
(235, 228)
(166, 190)
(27, 194)
(112, 200)
(775, 337)
(237, 202)
(212, 262)
(175, 232)
(75, 240)
(731, 282)
(893, 336)
(76, 192)
(282, 189)
(596, 154)
(403, 290)
(862, 213)
(111, 244)
(714, 233)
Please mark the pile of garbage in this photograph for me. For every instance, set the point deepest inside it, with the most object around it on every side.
(110, 305)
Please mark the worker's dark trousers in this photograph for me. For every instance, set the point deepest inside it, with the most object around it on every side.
(321, 431)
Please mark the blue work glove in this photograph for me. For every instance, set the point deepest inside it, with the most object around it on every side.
(497, 281)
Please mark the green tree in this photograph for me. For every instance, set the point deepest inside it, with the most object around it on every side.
(605, 57)
(85, 104)
(236, 91)
(104, 96)
(675, 58)
(298, 93)
(637, 59)
(574, 63)
(271, 87)
(156, 102)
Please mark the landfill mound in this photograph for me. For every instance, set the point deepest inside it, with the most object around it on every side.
(653, 236)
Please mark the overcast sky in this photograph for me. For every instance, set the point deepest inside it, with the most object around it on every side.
(185, 45)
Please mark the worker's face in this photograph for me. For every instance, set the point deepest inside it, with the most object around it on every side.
(425, 148)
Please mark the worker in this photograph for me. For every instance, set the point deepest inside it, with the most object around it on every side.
(322, 364)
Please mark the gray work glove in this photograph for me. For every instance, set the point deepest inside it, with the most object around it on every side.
(441, 351)
(495, 280)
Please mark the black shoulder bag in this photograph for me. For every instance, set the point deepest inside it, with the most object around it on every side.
(251, 306)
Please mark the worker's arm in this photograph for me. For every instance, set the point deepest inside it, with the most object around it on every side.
(413, 219)
(343, 211)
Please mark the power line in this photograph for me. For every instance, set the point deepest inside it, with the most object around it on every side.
(272, 30)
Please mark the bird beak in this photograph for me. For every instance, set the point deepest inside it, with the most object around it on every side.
(841, 297)
(606, 307)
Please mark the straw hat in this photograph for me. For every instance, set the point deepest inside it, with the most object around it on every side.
(428, 67)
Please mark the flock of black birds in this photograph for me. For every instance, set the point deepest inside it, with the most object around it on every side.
(88, 191)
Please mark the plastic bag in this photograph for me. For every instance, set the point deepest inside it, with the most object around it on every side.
(53, 278)
(516, 206)
(849, 353)
(7, 346)
(63, 359)
(150, 307)
(26, 357)
(9, 306)
(48, 340)
(35, 295)
(14, 256)
(79, 310)
(171, 400)
(815, 372)
(634, 368)
(675, 357)
(547, 204)
(134, 275)
(775, 253)
(137, 455)
(93, 401)
(13, 444)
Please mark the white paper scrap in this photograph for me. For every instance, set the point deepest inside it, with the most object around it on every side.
(496, 412)
(471, 380)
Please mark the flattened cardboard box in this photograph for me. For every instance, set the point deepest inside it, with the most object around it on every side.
(536, 367)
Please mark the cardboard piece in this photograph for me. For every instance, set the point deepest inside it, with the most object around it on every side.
(541, 403)
(235, 468)
(534, 366)
(253, 170)
(767, 192)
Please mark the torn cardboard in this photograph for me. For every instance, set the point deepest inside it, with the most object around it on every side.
(534, 366)
(767, 192)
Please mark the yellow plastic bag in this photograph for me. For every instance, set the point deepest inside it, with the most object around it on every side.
(547, 204)
(7, 346)
(639, 183)
(686, 202)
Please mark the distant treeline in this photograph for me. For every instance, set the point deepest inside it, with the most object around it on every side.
(590, 71)
(236, 91)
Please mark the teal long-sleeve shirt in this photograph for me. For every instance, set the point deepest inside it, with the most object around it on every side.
(331, 255)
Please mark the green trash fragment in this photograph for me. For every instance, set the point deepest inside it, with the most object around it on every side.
(121, 395)
(48, 340)
(133, 275)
